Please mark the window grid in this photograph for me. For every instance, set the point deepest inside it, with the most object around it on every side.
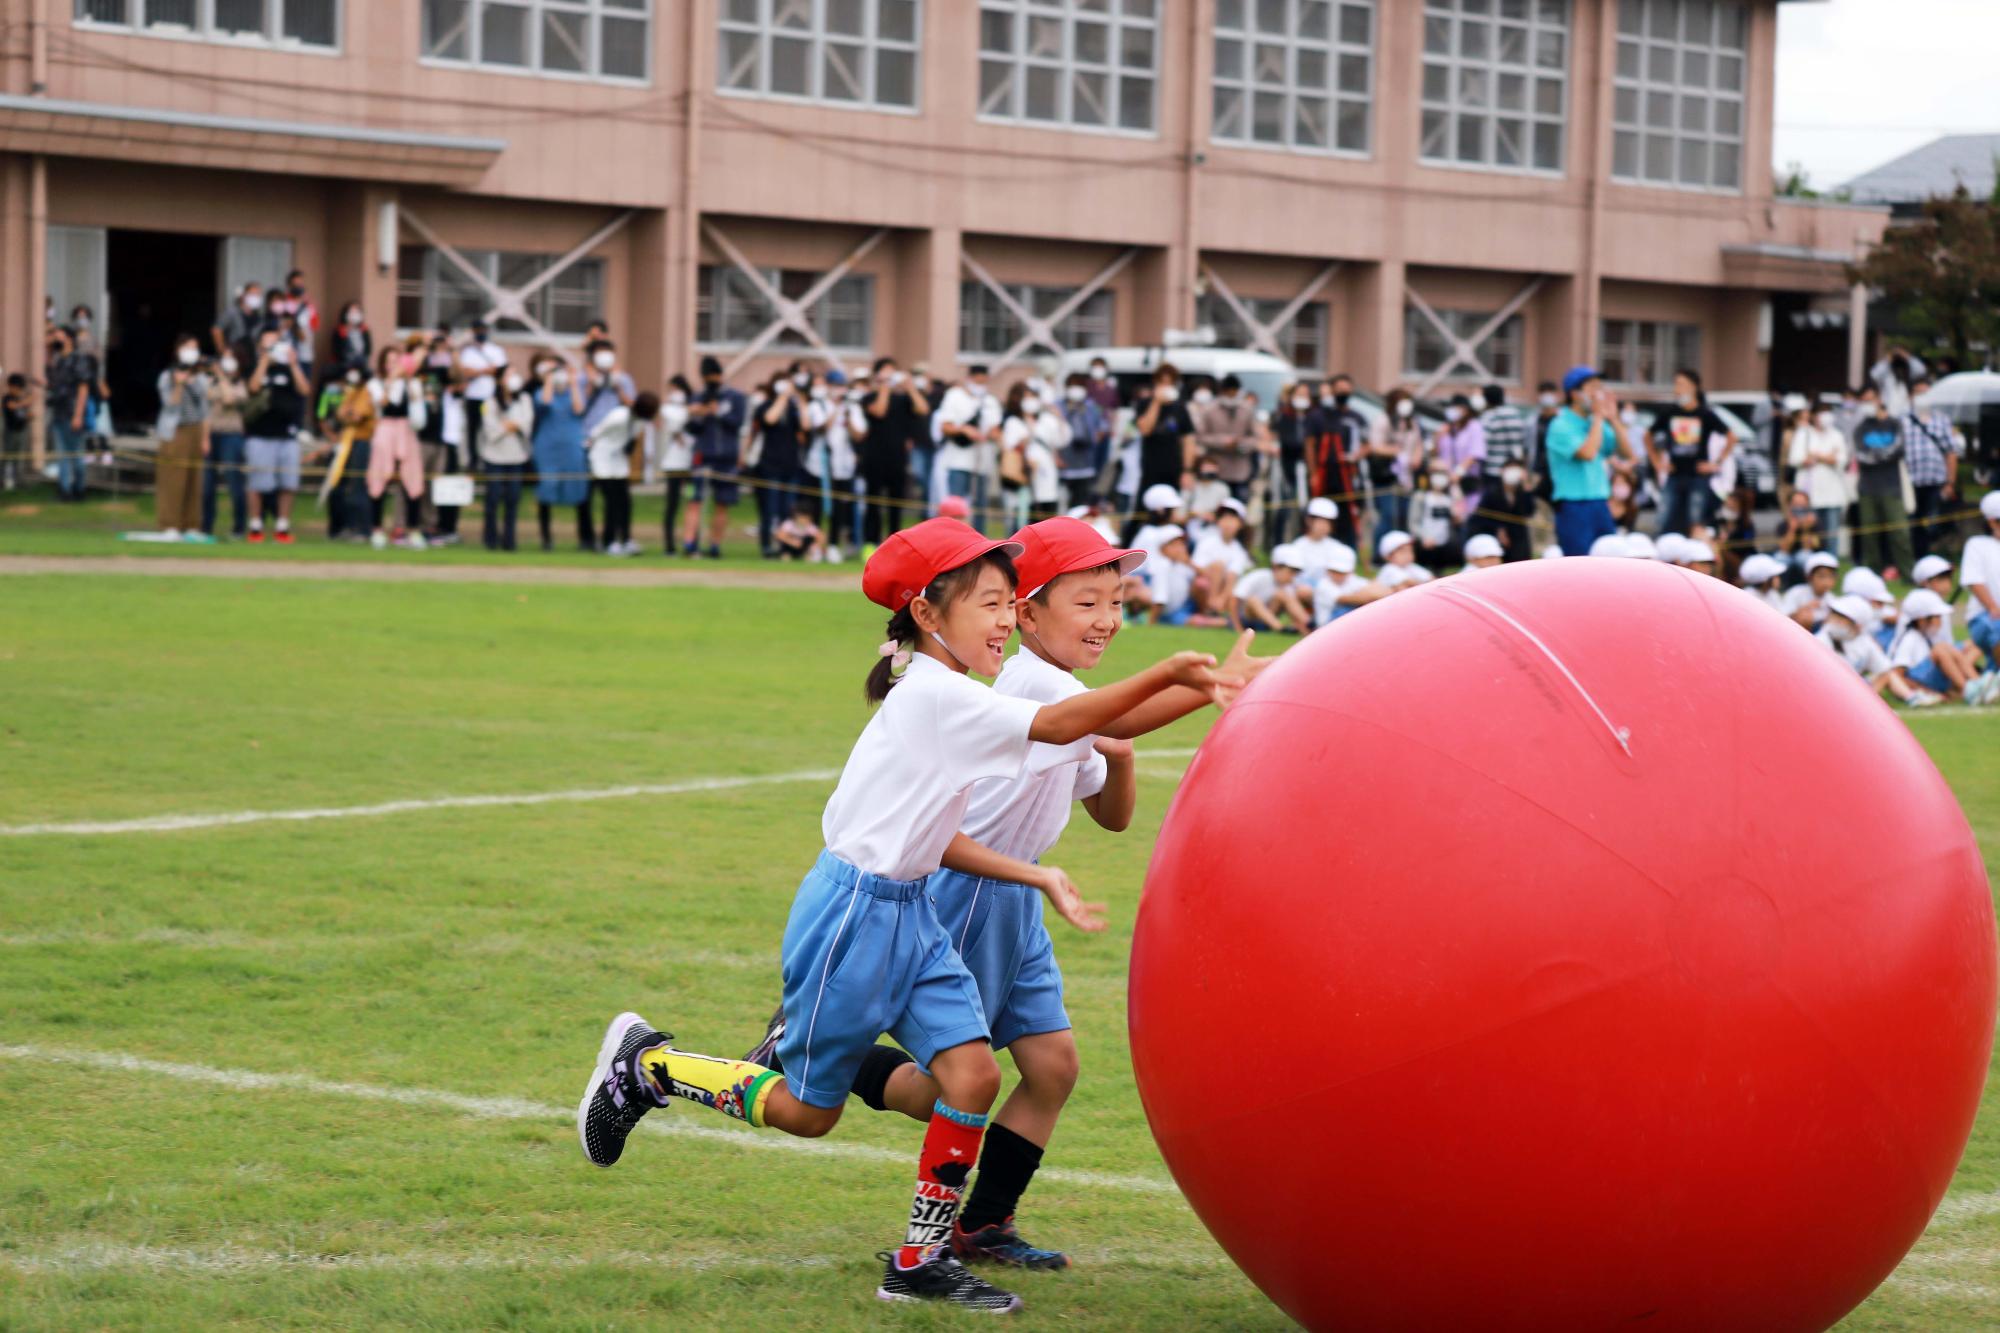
(299, 25)
(1081, 64)
(595, 39)
(1425, 350)
(1303, 340)
(1296, 74)
(1495, 84)
(1677, 98)
(1646, 353)
(848, 53)
(431, 290)
(730, 310)
(986, 327)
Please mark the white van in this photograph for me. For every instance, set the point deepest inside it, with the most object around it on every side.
(1261, 374)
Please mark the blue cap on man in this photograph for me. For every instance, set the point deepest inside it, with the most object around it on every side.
(1578, 377)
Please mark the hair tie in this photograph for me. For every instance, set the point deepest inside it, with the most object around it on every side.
(899, 657)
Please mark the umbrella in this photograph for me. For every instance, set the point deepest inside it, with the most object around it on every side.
(1961, 396)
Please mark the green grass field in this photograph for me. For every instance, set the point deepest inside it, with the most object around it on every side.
(320, 1073)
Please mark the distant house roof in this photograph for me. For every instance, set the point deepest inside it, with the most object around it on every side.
(1939, 167)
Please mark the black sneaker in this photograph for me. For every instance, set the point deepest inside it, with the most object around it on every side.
(1001, 1244)
(942, 1278)
(615, 1101)
(715, 553)
(765, 1052)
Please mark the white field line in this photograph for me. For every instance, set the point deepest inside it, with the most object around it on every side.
(673, 1120)
(227, 819)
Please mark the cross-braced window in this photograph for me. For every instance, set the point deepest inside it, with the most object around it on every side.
(1086, 64)
(1495, 83)
(432, 290)
(1646, 352)
(855, 53)
(598, 38)
(1677, 111)
(308, 24)
(986, 327)
(1302, 341)
(1426, 350)
(1294, 73)
(730, 311)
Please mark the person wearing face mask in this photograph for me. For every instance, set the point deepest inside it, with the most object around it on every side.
(562, 470)
(237, 330)
(1505, 429)
(1167, 448)
(716, 418)
(272, 420)
(839, 428)
(1336, 435)
(1287, 488)
(1394, 454)
(1585, 435)
(226, 394)
(182, 433)
(1461, 446)
(67, 375)
(83, 329)
(353, 344)
(607, 389)
(967, 424)
(506, 427)
(1101, 389)
(1506, 512)
(1035, 434)
(1819, 455)
(1084, 463)
(350, 512)
(299, 305)
(401, 415)
(779, 426)
(1681, 455)
(898, 442)
(673, 448)
(1225, 430)
(1879, 449)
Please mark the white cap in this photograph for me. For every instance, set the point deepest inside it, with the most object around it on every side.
(1080, 511)
(1342, 560)
(1795, 402)
(1392, 542)
(1288, 556)
(1821, 560)
(1759, 569)
(1640, 547)
(1929, 568)
(1322, 507)
(1697, 553)
(1864, 582)
(1668, 547)
(1161, 496)
(1611, 543)
(1855, 609)
(1922, 604)
(1234, 506)
(1485, 546)
(1989, 506)
(1167, 532)
(1552, 553)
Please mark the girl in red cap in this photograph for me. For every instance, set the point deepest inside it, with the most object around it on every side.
(863, 951)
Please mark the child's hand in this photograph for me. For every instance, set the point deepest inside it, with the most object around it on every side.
(1112, 748)
(1192, 669)
(1069, 903)
(1239, 662)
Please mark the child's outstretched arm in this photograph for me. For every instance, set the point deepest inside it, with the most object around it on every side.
(1113, 805)
(1173, 705)
(1089, 713)
(971, 858)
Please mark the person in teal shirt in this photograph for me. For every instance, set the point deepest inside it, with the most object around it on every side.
(1579, 471)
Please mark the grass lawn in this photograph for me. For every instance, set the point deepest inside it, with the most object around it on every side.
(319, 1074)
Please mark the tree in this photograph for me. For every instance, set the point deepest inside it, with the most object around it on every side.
(1941, 271)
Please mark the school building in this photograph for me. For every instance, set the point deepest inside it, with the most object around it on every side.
(1442, 192)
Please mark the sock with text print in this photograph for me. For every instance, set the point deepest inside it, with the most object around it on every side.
(736, 1088)
(951, 1146)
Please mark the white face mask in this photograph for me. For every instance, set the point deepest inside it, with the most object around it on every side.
(1301, 402)
(923, 383)
(1203, 397)
(1075, 393)
(252, 301)
(1169, 393)
(281, 353)
(1549, 400)
(975, 388)
(1840, 631)
(604, 360)
(514, 383)
(1326, 400)
(802, 379)
(83, 321)
(559, 379)
(1454, 414)
(677, 398)
(1440, 481)
(354, 316)
(1097, 372)
(189, 355)
(354, 377)
(228, 364)
(1823, 420)
(1031, 404)
(1513, 476)
(1406, 408)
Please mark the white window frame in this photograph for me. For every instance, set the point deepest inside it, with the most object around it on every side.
(1116, 16)
(1512, 334)
(541, 304)
(1243, 32)
(1535, 17)
(593, 12)
(976, 299)
(712, 281)
(1212, 311)
(764, 30)
(203, 29)
(1636, 90)
(1676, 346)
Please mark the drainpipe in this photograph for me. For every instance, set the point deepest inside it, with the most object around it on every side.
(686, 253)
(1183, 315)
(38, 48)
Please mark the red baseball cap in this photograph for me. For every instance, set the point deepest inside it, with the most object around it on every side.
(905, 565)
(1057, 546)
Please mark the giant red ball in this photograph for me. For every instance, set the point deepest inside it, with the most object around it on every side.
(1573, 945)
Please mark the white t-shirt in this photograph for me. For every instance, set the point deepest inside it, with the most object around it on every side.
(1770, 597)
(1399, 576)
(1150, 539)
(1213, 550)
(1798, 595)
(1860, 652)
(676, 450)
(1910, 648)
(836, 427)
(1171, 583)
(1024, 815)
(961, 407)
(478, 361)
(1318, 553)
(1981, 567)
(903, 794)
(1259, 583)
(1327, 593)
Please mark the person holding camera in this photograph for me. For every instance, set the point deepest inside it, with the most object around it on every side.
(182, 433)
(272, 419)
(1582, 439)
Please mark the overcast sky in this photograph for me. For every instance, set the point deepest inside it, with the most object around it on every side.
(1863, 81)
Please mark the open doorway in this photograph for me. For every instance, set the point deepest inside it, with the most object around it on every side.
(162, 285)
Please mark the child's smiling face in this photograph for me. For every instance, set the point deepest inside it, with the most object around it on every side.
(1075, 617)
(975, 626)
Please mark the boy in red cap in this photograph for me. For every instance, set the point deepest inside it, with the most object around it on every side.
(863, 951)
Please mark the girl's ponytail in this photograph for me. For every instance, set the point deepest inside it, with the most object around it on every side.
(888, 668)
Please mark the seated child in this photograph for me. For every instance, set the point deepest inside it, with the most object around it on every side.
(1170, 579)
(1483, 551)
(1397, 552)
(1341, 590)
(799, 538)
(1846, 633)
(1922, 661)
(1268, 599)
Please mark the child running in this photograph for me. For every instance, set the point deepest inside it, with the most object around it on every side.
(864, 952)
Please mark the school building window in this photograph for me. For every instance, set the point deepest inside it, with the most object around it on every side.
(1646, 352)
(1677, 97)
(1495, 83)
(851, 53)
(730, 310)
(309, 24)
(1294, 74)
(1083, 64)
(1426, 351)
(1302, 340)
(432, 290)
(987, 327)
(596, 38)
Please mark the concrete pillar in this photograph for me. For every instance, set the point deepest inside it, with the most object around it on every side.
(927, 281)
(357, 266)
(654, 347)
(1857, 333)
(23, 264)
(1374, 326)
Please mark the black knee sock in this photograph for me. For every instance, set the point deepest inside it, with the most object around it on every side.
(872, 1078)
(1006, 1164)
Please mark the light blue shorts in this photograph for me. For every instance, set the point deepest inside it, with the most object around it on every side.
(865, 955)
(998, 930)
(1929, 675)
(1985, 630)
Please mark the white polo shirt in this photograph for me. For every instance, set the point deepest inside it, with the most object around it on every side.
(902, 795)
(479, 361)
(1318, 553)
(1259, 583)
(1213, 550)
(1860, 652)
(1981, 566)
(1399, 576)
(1024, 815)
(1798, 595)
(1170, 582)
(1909, 648)
(1327, 605)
